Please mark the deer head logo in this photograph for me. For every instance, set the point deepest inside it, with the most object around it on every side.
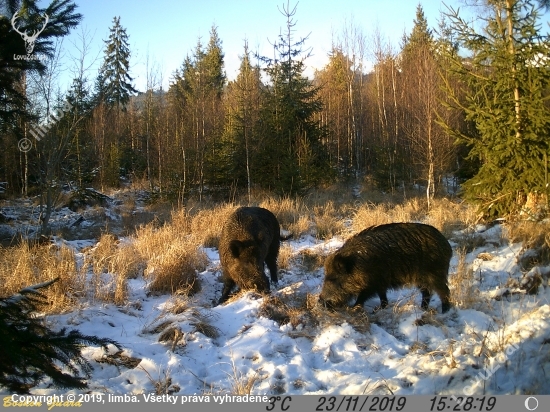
(29, 40)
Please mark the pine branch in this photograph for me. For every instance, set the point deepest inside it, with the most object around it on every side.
(31, 352)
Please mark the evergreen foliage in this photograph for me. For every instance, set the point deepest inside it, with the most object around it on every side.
(114, 80)
(293, 156)
(80, 164)
(241, 136)
(506, 79)
(196, 94)
(62, 18)
(428, 145)
(31, 352)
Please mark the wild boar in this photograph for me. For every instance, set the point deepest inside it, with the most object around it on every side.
(250, 237)
(387, 257)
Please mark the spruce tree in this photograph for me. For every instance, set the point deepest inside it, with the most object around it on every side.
(81, 163)
(240, 138)
(115, 80)
(197, 93)
(31, 352)
(506, 80)
(293, 158)
(62, 18)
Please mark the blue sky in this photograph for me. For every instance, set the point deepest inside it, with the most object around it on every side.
(168, 30)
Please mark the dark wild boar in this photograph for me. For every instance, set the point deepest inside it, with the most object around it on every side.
(386, 257)
(250, 237)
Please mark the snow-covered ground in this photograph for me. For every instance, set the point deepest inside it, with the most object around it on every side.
(499, 344)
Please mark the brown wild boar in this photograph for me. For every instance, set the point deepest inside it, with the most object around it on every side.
(250, 237)
(387, 257)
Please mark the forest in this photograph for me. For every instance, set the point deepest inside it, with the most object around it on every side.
(457, 103)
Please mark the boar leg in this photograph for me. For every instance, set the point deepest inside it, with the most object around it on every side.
(445, 296)
(426, 296)
(228, 284)
(383, 299)
(366, 294)
(271, 262)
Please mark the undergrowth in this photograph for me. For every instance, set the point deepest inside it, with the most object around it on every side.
(169, 255)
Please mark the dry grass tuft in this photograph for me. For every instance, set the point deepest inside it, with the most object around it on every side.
(24, 265)
(202, 325)
(535, 237)
(119, 359)
(276, 309)
(206, 225)
(445, 215)
(300, 227)
(178, 304)
(310, 260)
(469, 241)
(449, 216)
(327, 221)
(176, 269)
(172, 258)
(371, 215)
(242, 384)
(181, 304)
(463, 290)
(292, 214)
(163, 384)
(286, 209)
(167, 256)
(286, 257)
(112, 264)
(174, 336)
(357, 317)
(305, 314)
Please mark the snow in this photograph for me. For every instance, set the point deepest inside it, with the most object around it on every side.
(493, 347)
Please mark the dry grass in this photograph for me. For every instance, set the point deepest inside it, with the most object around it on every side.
(340, 194)
(112, 265)
(175, 269)
(287, 210)
(464, 294)
(318, 214)
(445, 215)
(286, 257)
(119, 359)
(328, 223)
(369, 215)
(469, 240)
(310, 260)
(281, 310)
(24, 265)
(172, 258)
(200, 320)
(301, 227)
(292, 214)
(163, 384)
(168, 257)
(206, 224)
(106, 283)
(305, 314)
(242, 384)
(449, 216)
(535, 237)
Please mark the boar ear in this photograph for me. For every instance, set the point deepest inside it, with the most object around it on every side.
(235, 247)
(343, 264)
